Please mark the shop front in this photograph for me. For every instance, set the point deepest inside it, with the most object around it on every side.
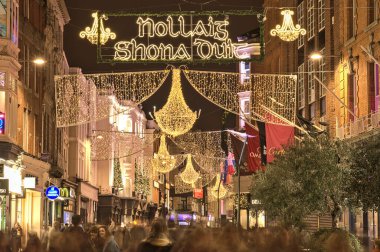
(68, 200)
(88, 202)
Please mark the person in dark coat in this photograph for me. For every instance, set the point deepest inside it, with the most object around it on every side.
(16, 237)
(158, 239)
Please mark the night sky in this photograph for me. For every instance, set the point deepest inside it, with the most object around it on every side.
(80, 53)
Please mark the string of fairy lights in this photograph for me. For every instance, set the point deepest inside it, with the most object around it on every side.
(83, 98)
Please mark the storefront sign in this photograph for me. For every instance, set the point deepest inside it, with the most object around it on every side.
(198, 193)
(30, 182)
(173, 37)
(14, 175)
(2, 123)
(4, 186)
(52, 192)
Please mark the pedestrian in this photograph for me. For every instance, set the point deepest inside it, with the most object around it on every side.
(4, 244)
(158, 238)
(54, 233)
(76, 221)
(34, 243)
(137, 234)
(65, 227)
(94, 239)
(77, 231)
(16, 237)
(110, 244)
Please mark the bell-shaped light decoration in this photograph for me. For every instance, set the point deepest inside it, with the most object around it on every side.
(92, 33)
(162, 161)
(189, 175)
(222, 190)
(175, 118)
(288, 32)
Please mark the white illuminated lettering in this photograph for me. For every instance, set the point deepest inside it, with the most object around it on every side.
(220, 48)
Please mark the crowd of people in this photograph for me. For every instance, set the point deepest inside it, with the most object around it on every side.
(159, 236)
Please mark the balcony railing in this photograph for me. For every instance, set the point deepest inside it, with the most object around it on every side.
(359, 126)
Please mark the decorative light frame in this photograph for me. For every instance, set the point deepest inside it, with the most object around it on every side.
(288, 31)
(162, 161)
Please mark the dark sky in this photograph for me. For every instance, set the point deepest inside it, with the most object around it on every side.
(80, 53)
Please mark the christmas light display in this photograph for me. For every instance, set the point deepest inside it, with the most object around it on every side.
(92, 33)
(189, 175)
(288, 32)
(175, 118)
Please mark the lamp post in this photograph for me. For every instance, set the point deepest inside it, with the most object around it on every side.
(238, 173)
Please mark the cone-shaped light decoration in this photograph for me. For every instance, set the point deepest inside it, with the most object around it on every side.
(288, 32)
(175, 118)
(162, 161)
(92, 33)
(189, 175)
(222, 190)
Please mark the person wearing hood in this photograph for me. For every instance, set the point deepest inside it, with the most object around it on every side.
(110, 244)
(158, 239)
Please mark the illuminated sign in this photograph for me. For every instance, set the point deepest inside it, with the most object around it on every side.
(52, 192)
(2, 123)
(29, 182)
(198, 193)
(175, 37)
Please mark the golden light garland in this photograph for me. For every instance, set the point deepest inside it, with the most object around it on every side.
(208, 164)
(222, 190)
(92, 33)
(175, 118)
(288, 32)
(106, 145)
(189, 175)
(182, 187)
(277, 92)
(201, 143)
(162, 161)
(83, 98)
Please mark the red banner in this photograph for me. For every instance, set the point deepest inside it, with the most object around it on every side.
(253, 153)
(277, 137)
(198, 193)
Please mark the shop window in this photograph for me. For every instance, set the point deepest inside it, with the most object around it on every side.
(245, 71)
(301, 20)
(3, 18)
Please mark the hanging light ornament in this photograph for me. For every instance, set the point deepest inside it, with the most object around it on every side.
(222, 190)
(92, 33)
(288, 32)
(189, 175)
(162, 161)
(175, 118)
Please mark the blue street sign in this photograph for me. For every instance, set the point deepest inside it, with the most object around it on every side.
(52, 192)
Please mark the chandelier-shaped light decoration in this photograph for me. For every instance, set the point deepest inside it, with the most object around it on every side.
(288, 32)
(189, 175)
(175, 118)
(92, 33)
(222, 190)
(162, 161)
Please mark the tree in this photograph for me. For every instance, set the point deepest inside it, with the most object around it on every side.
(308, 178)
(117, 183)
(365, 173)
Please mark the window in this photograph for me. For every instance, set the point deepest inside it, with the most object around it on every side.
(14, 22)
(322, 74)
(245, 71)
(312, 111)
(26, 8)
(245, 110)
(310, 81)
(25, 130)
(321, 14)
(377, 87)
(301, 20)
(310, 19)
(3, 18)
(351, 86)
(351, 10)
(301, 86)
(2, 79)
(322, 104)
(372, 7)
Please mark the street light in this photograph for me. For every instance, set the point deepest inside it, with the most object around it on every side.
(39, 61)
(316, 55)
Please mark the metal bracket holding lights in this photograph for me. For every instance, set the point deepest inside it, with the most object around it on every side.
(288, 31)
